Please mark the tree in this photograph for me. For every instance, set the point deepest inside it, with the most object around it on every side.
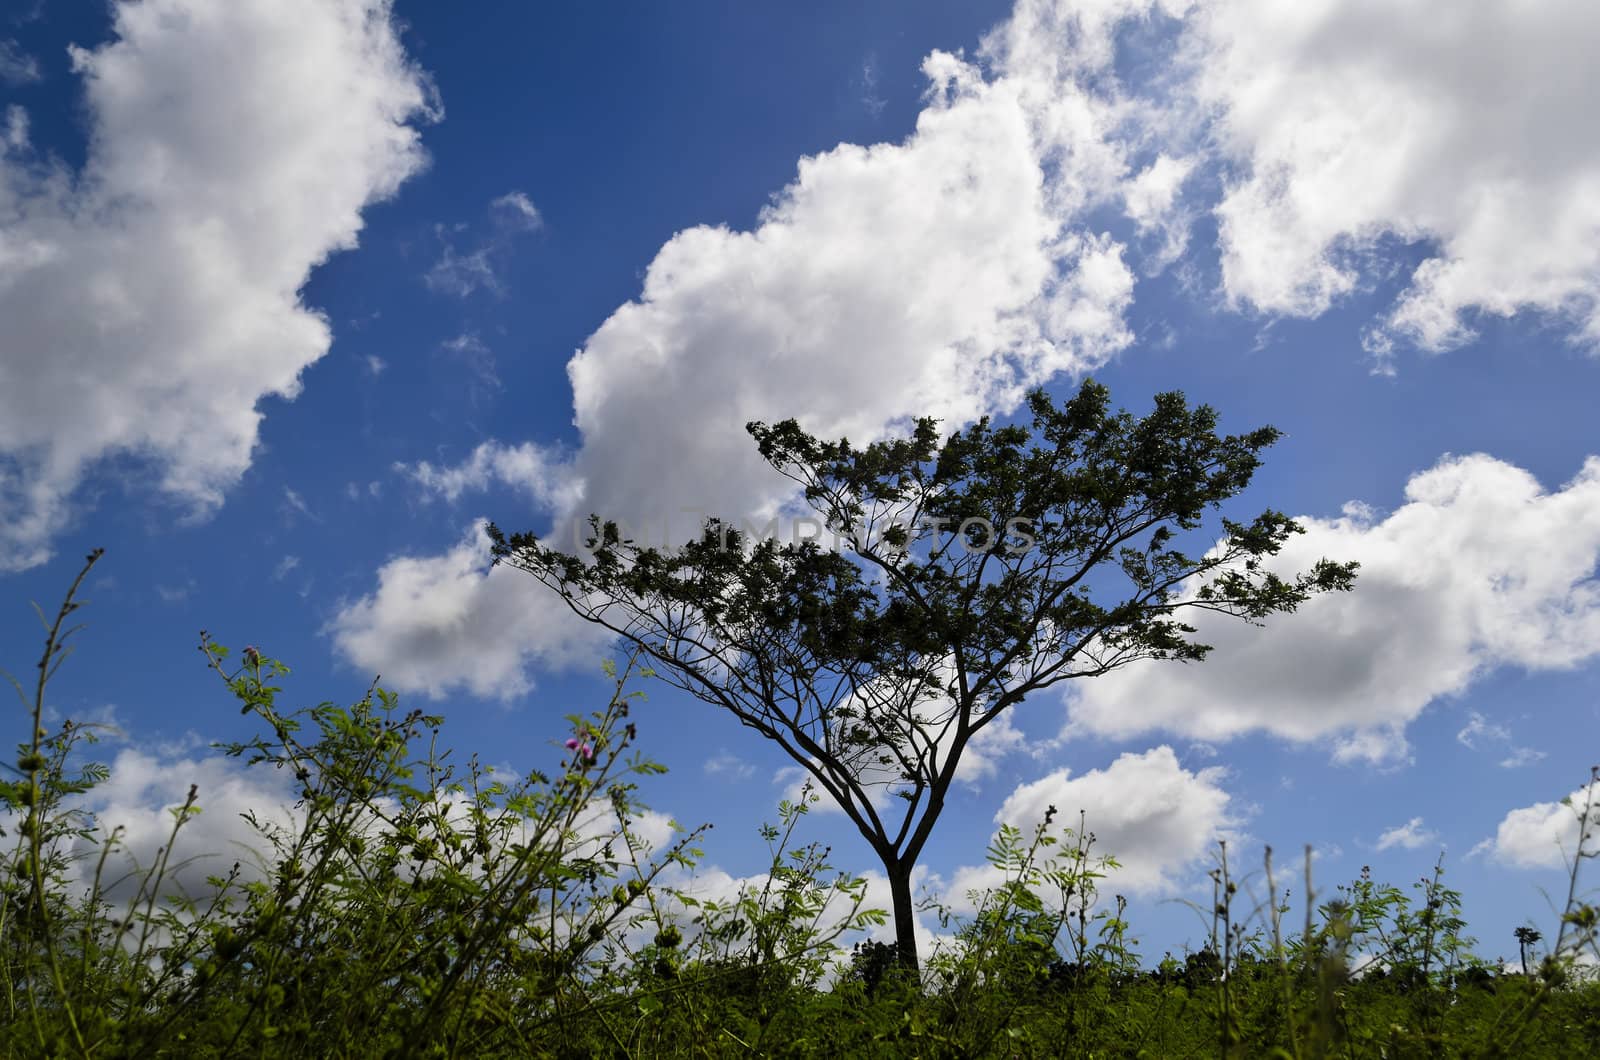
(967, 575)
(1527, 937)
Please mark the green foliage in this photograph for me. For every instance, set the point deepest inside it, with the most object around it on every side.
(412, 908)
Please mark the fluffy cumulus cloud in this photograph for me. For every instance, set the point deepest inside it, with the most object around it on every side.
(1154, 816)
(1544, 835)
(1409, 836)
(450, 620)
(532, 470)
(137, 803)
(1470, 127)
(147, 785)
(1480, 567)
(941, 275)
(151, 300)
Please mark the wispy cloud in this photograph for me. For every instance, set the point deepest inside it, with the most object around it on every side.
(483, 378)
(461, 272)
(869, 86)
(726, 764)
(17, 67)
(175, 594)
(1521, 756)
(295, 506)
(1479, 730)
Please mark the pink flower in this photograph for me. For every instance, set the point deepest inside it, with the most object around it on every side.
(572, 744)
(587, 752)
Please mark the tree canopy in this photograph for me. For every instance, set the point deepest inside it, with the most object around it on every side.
(965, 573)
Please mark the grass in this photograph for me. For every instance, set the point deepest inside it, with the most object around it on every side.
(414, 906)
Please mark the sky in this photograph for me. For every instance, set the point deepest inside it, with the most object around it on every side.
(296, 294)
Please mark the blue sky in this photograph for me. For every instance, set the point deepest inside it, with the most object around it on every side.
(294, 294)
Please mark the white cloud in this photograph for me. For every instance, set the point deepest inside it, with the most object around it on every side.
(1382, 747)
(983, 757)
(539, 473)
(445, 621)
(936, 276)
(1480, 568)
(1151, 201)
(1409, 836)
(152, 300)
(374, 365)
(285, 566)
(1153, 816)
(1542, 836)
(1468, 126)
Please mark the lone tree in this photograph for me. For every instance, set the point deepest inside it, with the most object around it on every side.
(964, 576)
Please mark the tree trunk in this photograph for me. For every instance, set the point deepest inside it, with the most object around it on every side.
(905, 917)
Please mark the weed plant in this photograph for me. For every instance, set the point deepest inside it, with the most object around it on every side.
(414, 906)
